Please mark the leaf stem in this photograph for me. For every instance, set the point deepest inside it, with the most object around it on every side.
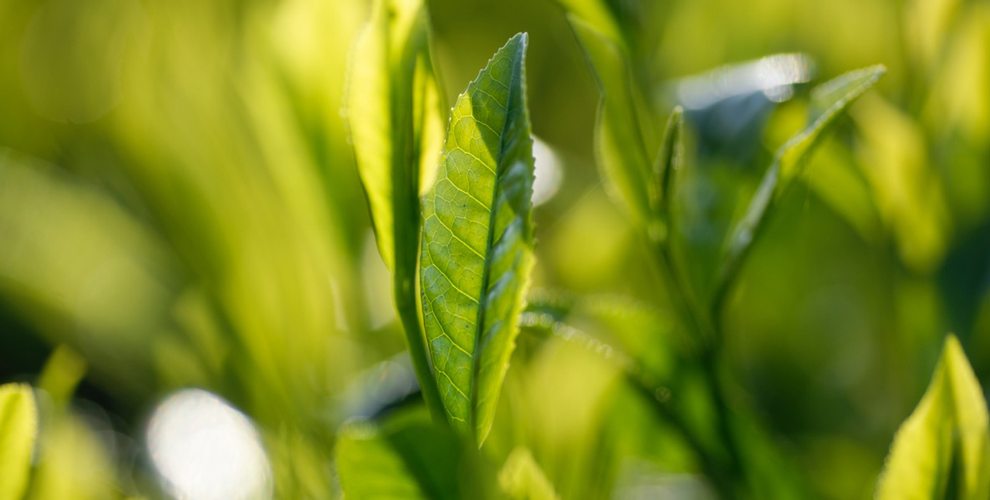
(408, 310)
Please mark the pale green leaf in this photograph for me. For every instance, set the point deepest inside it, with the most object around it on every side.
(619, 145)
(393, 112)
(521, 478)
(393, 109)
(944, 445)
(478, 241)
(595, 13)
(18, 429)
(830, 100)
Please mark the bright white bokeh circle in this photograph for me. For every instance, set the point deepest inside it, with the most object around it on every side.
(204, 449)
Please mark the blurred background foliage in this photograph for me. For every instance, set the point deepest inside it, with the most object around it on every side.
(179, 207)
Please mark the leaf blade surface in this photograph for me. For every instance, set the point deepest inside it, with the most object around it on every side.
(18, 430)
(949, 425)
(477, 247)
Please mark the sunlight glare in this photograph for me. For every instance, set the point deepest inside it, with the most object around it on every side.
(204, 449)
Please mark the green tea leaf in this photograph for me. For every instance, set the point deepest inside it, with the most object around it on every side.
(830, 100)
(523, 479)
(595, 13)
(393, 111)
(619, 145)
(670, 158)
(396, 126)
(18, 429)
(478, 241)
(944, 445)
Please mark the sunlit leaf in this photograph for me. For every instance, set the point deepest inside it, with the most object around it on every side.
(830, 100)
(944, 445)
(18, 429)
(910, 195)
(397, 129)
(478, 241)
(74, 463)
(523, 479)
(595, 13)
(394, 116)
(619, 145)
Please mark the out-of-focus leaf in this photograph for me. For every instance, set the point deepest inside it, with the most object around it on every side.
(908, 191)
(18, 428)
(72, 255)
(393, 111)
(830, 100)
(929, 24)
(596, 14)
(74, 463)
(944, 445)
(407, 457)
(619, 143)
(63, 371)
(839, 182)
(478, 241)
(670, 158)
(523, 479)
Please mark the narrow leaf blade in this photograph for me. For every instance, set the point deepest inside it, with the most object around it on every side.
(18, 430)
(393, 114)
(669, 158)
(478, 241)
(830, 100)
(619, 144)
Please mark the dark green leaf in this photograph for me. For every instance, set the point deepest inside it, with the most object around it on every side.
(478, 241)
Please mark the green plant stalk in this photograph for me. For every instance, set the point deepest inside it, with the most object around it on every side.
(406, 291)
(692, 317)
(408, 310)
(407, 214)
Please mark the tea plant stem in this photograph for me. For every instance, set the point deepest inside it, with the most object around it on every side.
(706, 326)
(408, 310)
(689, 312)
(721, 476)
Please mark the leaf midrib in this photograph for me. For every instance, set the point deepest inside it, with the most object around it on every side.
(486, 275)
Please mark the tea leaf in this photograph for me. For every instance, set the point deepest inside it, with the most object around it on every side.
(396, 126)
(393, 111)
(478, 241)
(944, 444)
(830, 100)
(670, 158)
(18, 429)
(522, 479)
(619, 144)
